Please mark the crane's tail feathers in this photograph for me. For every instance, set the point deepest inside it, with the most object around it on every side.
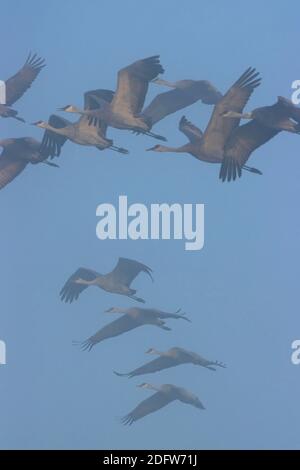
(252, 170)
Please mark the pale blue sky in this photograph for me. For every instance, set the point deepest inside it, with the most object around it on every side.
(241, 290)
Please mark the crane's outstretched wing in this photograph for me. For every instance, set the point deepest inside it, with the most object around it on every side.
(150, 405)
(22, 80)
(10, 167)
(292, 110)
(92, 102)
(52, 143)
(7, 112)
(160, 363)
(115, 328)
(92, 98)
(193, 133)
(242, 143)
(220, 128)
(185, 93)
(71, 290)
(127, 269)
(133, 84)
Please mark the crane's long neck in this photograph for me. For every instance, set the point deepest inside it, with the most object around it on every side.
(160, 81)
(235, 114)
(246, 116)
(5, 142)
(85, 282)
(118, 310)
(182, 149)
(61, 131)
(151, 387)
(155, 351)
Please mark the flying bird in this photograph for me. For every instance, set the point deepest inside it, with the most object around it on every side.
(132, 318)
(183, 94)
(124, 110)
(221, 134)
(59, 130)
(16, 155)
(265, 123)
(164, 395)
(281, 116)
(18, 84)
(117, 281)
(171, 358)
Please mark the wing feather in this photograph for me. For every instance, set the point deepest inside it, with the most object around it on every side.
(243, 142)
(52, 143)
(219, 128)
(10, 167)
(150, 405)
(126, 271)
(192, 132)
(72, 290)
(133, 84)
(160, 363)
(115, 328)
(17, 85)
(92, 98)
(185, 93)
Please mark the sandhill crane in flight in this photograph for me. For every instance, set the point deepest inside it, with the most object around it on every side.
(16, 86)
(132, 318)
(117, 281)
(183, 94)
(58, 129)
(265, 123)
(131, 92)
(171, 358)
(124, 111)
(282, 116)
(222, 136)
(17, 154)
(164, 395)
